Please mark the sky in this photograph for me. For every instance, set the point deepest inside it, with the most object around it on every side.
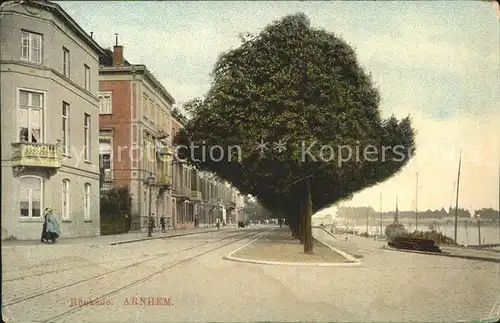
(435, 61)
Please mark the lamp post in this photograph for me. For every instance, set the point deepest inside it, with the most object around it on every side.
(150, 182)
(478, 230)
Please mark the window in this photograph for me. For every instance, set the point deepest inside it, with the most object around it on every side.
(151, 111)
(31, 47)
(30, 196)
(86, 133)
(105, 166)
(159, 117)
(146, 206)
(152, 156)
(65, 199)
(144, 154)
(174, 175)
(145, 107)
(149, 157)
(65, 128)
(65, 66)
(86, 208)
(105, 160)
(105, 102)
(164, 121)
(87, 77)
(30, 116)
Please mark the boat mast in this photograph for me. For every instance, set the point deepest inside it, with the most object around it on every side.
(367, 220)
(396, 216)
(458, 190)
(416, 206)
(381, 231)
(451, 204)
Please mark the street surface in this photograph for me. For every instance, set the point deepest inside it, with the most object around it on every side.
(185, 279)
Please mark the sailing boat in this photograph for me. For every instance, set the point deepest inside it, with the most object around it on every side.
(458, 190)
(450, 208)
(395, 229)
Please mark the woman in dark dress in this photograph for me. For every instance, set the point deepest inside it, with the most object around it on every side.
(45, 236)
(51, 230)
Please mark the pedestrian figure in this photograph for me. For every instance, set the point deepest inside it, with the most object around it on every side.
(162, 222)
(51, 230)
(45, 235)
(151, 223)
(217, 223)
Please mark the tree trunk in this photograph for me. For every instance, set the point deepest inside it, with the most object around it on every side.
(308, 244)
(295, 228)
(292, 226)
(293, 223)
(302, 223)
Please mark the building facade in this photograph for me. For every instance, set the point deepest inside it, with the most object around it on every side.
(49, 121)
(185, 189)
(135, 136)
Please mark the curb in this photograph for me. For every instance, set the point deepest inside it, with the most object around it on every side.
(331, 234)
(352, 261)
(442, 254)
(349, 257)
(161, 237)
(297, 264)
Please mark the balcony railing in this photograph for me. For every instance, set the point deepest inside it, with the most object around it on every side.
(182, 191)
(164, 180)
(36, 155)
(164, 151)
(107, 175)
(196, 195)
(160, 134)
(185, 191)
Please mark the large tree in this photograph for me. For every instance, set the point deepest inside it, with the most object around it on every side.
(301, 86)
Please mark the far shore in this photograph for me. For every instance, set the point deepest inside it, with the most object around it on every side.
(373, 221)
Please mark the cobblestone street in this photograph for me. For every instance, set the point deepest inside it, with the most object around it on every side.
(185, 279)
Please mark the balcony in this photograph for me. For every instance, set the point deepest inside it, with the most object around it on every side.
(182, 192)
(160, 134)
(163, 151)
(196, 196)
(107, 175)
(164, 180)
(26, 154)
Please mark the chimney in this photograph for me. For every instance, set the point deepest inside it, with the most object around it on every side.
(91, 34)
(117, 54)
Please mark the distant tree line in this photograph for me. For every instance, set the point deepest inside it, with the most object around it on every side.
(255, 211)
(356, 213)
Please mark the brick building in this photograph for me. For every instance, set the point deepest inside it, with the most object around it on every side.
(135, 135)
(137, 126)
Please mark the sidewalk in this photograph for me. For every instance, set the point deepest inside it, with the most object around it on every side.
(129, 237)
(278, 247)
(475, 254)
(356, 245)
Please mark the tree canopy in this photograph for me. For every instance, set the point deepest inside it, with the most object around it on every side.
(304, 87)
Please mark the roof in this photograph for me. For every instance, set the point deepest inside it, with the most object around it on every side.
(107, 59)
(134, 69)
(179, 117)
(65, 18)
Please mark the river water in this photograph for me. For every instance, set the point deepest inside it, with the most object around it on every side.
(465, 235)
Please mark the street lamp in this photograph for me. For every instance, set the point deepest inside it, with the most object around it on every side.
(150, 182)
(478, 229)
